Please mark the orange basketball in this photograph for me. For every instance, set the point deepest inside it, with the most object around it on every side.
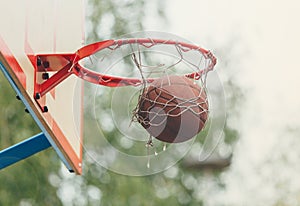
(173, 109)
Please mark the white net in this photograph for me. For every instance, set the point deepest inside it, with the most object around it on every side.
(171, 76)
(122, 115)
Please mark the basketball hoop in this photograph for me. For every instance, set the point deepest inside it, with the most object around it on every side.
(133, 67)
(63, 65)
(114, 81)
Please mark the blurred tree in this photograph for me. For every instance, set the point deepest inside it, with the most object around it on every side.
(179, 185)
(107, 19)
(41, 180)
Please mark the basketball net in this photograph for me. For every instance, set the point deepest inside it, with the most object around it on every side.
(140, 61)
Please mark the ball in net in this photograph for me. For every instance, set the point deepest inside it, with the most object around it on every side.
(173, 109)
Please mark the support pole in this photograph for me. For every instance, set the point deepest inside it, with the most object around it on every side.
(23, 150)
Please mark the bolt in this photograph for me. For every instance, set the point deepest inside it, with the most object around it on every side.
(45, 109)
(38, 61)
(37, 96)
(46, 64)
(45, 76)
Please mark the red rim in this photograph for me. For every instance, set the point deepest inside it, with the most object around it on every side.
(115, 81)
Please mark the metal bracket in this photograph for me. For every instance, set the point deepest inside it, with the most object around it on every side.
(23, 150)
(50, 71)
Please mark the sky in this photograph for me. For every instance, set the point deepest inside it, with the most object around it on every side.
(260, 40)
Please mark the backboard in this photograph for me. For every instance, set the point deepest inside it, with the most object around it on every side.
(34, 27)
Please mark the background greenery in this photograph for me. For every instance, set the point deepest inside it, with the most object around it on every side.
(42, 180)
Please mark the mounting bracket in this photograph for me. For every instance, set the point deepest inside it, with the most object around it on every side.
(50, 70)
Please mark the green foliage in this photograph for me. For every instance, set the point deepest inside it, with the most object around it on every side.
(109, 19)
(158, 189)
(114, 17)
